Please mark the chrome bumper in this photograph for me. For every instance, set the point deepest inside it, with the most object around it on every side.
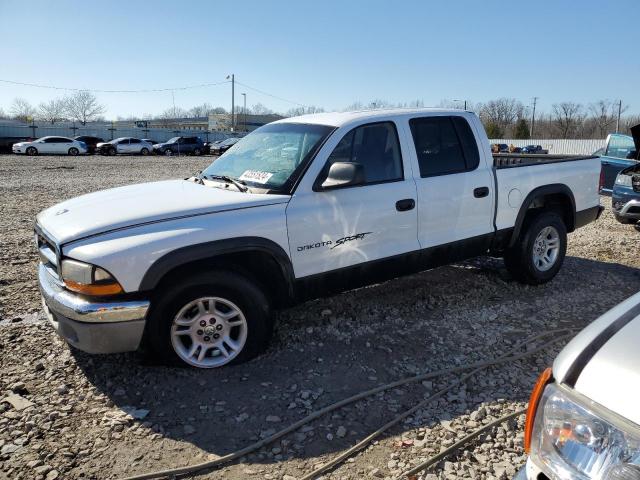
(92, 326)
(624, 211)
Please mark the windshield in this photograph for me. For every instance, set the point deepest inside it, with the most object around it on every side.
(173, 140)
(271, 157)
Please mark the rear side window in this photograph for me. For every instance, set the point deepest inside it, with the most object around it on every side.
(444, 145)
(134, 140)
(376, 147)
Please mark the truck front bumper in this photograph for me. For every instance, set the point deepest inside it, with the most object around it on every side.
(627, 212)
(91, 325)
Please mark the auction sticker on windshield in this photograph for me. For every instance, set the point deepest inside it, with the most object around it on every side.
(256, 176)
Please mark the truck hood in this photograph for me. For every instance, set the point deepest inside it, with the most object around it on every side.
(122, 207)
(611, 374)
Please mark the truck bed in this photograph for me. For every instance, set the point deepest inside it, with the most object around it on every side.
(511, 160)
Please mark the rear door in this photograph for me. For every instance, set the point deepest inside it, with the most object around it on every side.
(455, 186)
(333, 228)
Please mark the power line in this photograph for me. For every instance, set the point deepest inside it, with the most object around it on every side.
(71, 89)
(269, 94)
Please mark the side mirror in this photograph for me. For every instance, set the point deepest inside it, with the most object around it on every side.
(344, 174)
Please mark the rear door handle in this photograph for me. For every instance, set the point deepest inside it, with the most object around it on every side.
(480, 192)
(405, 205)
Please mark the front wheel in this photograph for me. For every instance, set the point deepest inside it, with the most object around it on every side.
(73, 151)
(112, 151)
(539, 251)
(197, 152)
(209, 321)
(168, 152)
(32, 151)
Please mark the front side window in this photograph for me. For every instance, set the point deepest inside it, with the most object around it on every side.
(272, 157)
(375, 147)
(444, 145)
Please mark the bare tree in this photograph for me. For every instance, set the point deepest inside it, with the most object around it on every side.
(603, 113)
(502, 112)
(567, 118)
(21, 109)
(83, 106)
(52, 111)
(260, 109)
(204, 110)
(2, 114)
(294, 112)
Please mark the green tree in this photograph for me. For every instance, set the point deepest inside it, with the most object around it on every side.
(493, 130)
(521, 130)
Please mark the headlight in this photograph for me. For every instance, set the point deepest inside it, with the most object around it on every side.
(88, 279)
(624, 180)
(579, 439)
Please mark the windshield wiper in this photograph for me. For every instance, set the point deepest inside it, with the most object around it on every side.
(226, 178)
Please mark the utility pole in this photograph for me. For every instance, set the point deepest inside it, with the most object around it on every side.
(244, 111)
(233, 100)
(533, 116)
(619, 113)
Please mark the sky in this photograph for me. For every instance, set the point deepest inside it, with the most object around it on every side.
(328, 54)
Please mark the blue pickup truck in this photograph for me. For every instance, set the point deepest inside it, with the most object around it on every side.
(625, 197)
(621, 151)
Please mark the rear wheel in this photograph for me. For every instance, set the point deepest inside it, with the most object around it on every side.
(73, 151)
(32, 151)
(210, 320)
(538, 253)
(144, 151)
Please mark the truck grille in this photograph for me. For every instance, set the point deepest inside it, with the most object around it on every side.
(48, 252)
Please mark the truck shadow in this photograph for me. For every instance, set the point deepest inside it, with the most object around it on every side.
(328, 349)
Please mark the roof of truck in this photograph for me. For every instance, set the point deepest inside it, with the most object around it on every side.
(338, 119)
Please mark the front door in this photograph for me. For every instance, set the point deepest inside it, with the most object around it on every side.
(333, 228)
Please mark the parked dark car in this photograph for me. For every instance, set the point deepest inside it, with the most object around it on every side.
(620, 152)
(537, 149)
(90, 141)
(180, 145)
(223, 146)
(6, 143)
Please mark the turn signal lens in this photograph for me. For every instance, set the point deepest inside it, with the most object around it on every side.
(88, 279)
(544, 378)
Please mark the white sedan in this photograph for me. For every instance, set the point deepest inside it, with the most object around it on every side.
(51, 145)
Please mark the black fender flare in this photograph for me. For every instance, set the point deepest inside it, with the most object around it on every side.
(210, 250)
(554, 188)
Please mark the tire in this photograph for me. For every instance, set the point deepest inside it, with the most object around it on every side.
(73, 151)
(226, 290)
(144, 151)
(527, 259)
(32, 151)
(168, 152)
(112, 151)
(197, 152)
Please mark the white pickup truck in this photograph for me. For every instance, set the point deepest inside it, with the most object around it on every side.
(193, 269)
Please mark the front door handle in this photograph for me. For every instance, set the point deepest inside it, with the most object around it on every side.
(405, 205)
(480, 192)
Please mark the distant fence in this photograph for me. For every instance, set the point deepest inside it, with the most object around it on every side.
(558, 146)
(106, 132)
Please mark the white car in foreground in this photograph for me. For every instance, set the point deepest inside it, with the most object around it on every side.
(51, 145)
(583, 420)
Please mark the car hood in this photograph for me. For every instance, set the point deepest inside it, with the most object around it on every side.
(123, 207)
(611, 374)
(163, 144)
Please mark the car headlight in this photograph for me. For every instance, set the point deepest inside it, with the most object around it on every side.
(579, 439)
(624, 180)
(88, 279)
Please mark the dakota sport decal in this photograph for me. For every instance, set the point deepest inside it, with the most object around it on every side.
(331, 244)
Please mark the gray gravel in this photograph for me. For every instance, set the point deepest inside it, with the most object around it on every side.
(64, 414)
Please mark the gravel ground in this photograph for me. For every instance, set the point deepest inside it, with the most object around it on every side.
(78, 416)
